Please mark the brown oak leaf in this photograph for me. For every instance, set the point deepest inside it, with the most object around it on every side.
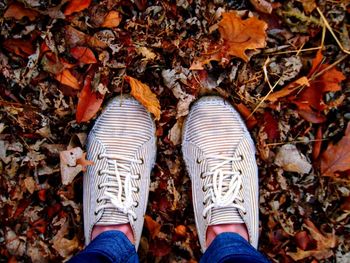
(336, 158)
(145, 96)
(76, 6)
(237, 36)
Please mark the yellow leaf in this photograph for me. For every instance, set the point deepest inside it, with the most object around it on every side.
(145, 96)
(112, 19)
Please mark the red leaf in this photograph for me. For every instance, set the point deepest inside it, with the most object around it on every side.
(317, 144)
(83, 54)
(76, 6)
(303, 240)
(89, 101)
(271, 126)
(67, 78)
(20, 47)
(336, 158)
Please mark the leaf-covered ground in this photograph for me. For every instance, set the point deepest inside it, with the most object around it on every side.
(283, 64)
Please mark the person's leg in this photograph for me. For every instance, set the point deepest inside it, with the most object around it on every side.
(232, 247)
(220, 158)
(122, 147)
(108, 247)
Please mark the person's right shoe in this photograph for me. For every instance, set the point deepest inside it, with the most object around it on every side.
(220, 158)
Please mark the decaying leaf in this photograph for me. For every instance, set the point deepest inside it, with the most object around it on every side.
(69, 164)
(152, 226)
(89, 101)
(287, 90)
(67, 78)
(290, 159)
(145, 96)
(18, 11)
(112, 19)
(336, 158)
(262, 6)
(76, 6)
(83, 54)
(64, 246)
(237, 36)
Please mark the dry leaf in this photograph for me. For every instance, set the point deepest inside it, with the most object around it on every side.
(65, 247)
(89, 101)
(262, 6)
(152, 226)
(30, 184)
(287, 90)
(237, 36)
(20, 47)
(336, 158)
(308, 5)
(112, 19)
(18, 11)
(290, 159)
(83, 54)
(68, 79)
(76, 6)
(75, 37)
(145, 96)
(68, 164)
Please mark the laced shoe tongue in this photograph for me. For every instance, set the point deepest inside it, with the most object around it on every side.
(224, 215)
(113, 216)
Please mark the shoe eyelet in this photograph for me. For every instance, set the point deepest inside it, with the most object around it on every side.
(199, 161)
(99, 187)
(99, 157)
(137, 190)
(241, 156)
(98, 200)
(96, 213)
(202, 176)
(240, 172)
(142, 161)
(137, 204)
(204, 189)
(138, 176)
(205, 216)
(204, 203)
(99, 173)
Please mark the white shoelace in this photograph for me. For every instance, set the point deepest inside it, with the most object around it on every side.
(119, 188)
(225, 186)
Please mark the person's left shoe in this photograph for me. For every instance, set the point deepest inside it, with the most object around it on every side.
(122, 145)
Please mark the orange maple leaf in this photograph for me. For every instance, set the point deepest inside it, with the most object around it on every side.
(237, 36)
(144, 95)
(67, 78)
(336, 158)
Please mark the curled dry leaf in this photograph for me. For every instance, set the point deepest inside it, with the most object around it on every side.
(144, 95)
(18, 11)
(74, 37)
(67, 78)
(237, 36)
(83, 54)
(89, 101)
(112, 19)
(76, 6)
(290, 159)
(336, 158)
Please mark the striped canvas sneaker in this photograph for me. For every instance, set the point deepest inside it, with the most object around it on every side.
(220, 158)
(122, 145)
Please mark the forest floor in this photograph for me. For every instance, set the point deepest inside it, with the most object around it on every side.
(283, 64)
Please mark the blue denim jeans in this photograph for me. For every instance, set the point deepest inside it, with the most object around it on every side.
(115, 247)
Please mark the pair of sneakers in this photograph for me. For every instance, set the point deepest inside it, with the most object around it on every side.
(217, 149)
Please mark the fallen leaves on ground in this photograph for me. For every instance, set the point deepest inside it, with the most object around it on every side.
(144, 95)
(237, 36)
(336, 158)
(18, 11)
(76, 6)
(112, 19)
